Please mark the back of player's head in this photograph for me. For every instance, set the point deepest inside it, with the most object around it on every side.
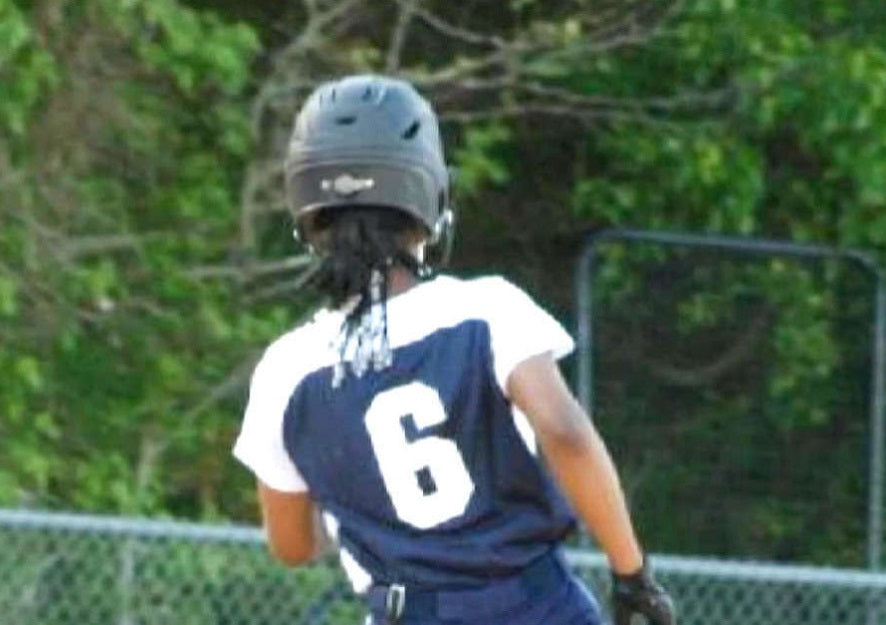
(367, 141)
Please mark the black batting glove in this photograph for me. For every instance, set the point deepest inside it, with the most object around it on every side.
(640, 594)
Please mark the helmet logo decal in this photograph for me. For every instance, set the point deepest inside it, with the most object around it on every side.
(346, 185)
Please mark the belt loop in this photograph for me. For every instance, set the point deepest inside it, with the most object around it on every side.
(395, 602)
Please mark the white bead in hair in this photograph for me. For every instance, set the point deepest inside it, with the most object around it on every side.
(371, 347)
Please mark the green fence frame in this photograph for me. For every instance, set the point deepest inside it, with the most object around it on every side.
(584, 299)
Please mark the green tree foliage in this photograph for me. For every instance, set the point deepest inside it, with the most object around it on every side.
(792, 146)
(128, 132)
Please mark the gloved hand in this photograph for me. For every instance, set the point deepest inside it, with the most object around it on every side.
(639, 593)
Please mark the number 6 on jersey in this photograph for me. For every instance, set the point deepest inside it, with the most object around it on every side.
(402, 461)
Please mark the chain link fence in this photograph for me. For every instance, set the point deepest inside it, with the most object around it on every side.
(740, 385)
(60, 569)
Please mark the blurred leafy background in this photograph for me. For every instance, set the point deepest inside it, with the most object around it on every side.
(145, 250)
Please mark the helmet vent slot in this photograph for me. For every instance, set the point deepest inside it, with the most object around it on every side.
(367, 94)
(410, 132)
(345, 120)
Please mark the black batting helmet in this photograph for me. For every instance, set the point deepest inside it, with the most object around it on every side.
(367, 141)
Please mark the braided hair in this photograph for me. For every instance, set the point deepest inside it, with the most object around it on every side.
(358, 247)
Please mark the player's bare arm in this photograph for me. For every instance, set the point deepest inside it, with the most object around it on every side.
(293, 525)
(581, 464)
(578, 458)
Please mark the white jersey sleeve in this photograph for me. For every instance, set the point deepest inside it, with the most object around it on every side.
(520, 328)
(260, 443)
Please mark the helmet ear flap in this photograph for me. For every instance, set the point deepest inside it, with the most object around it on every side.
(443, 234)
(442, 237)
(443, 227)
(299, 238)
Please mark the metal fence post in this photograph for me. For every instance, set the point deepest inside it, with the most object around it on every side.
(878, 413)
(584, 278)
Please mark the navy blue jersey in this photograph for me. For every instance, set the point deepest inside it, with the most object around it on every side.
(426, 472)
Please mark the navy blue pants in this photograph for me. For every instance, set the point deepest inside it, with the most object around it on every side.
(548, 595)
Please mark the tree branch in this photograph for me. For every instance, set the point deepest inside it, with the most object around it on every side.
(583, 115)
(398, 36)
(234, 381)
(249, 271)
(284, 288)
(456, 32)
(729, 359)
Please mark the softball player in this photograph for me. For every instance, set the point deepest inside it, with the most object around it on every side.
(411, 410)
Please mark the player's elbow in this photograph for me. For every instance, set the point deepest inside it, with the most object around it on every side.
(291, 555)
(565, 427)
(290, 521)
(291, 548)
(567, 440)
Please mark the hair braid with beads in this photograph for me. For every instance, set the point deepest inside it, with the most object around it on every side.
(359, 247)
